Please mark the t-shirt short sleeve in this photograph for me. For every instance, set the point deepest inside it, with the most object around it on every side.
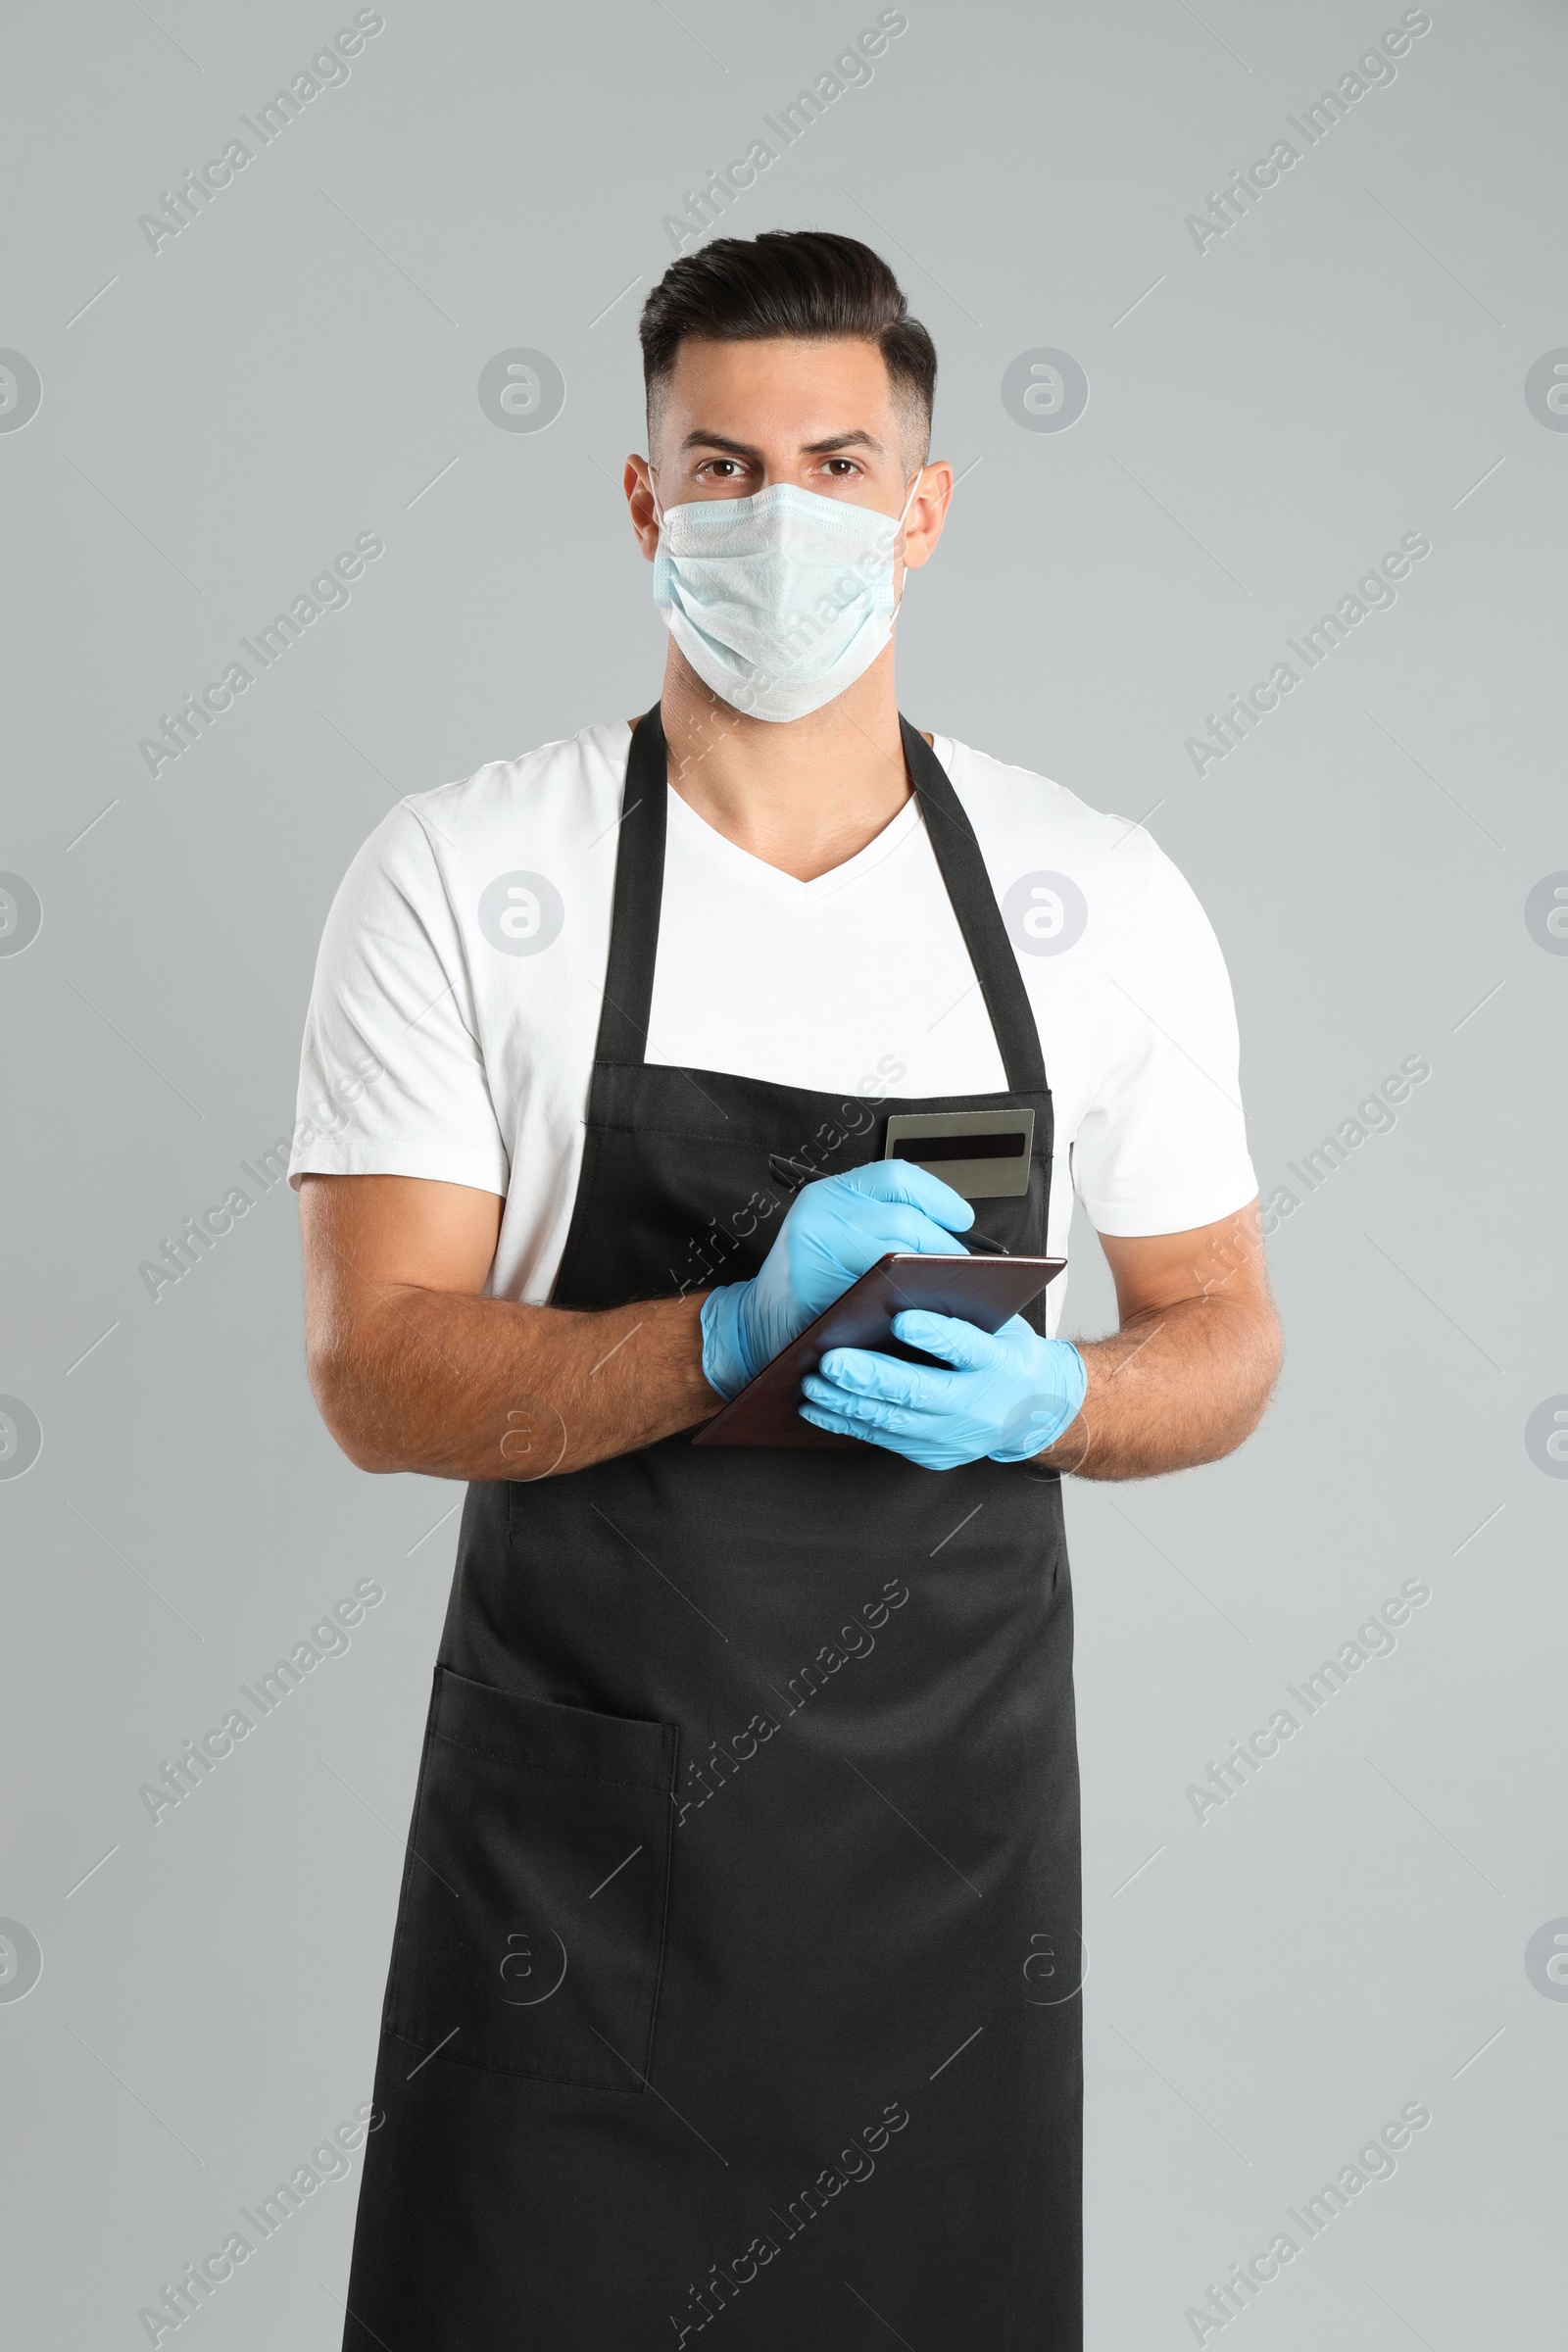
(1161, 1139)
(392, 1079)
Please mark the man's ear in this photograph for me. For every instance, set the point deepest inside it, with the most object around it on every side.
(640, 505)
(928, 511)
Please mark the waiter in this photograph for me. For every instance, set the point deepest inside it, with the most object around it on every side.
(734, 1978)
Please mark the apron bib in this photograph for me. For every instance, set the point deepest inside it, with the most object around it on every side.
(734, 1982)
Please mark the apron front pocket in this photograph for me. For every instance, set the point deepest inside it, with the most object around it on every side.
(532, 1928)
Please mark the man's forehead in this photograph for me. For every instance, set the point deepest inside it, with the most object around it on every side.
(846, 374)
(765, 396)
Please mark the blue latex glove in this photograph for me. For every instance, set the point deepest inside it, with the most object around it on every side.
(835, 1229)
(1008, 1396)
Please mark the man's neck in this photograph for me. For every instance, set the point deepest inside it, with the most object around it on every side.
(805, 796)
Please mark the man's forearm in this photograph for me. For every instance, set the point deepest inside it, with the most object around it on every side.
(1176, 1386)
(460, 1387)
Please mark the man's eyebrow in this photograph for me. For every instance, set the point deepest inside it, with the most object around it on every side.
(857, 439)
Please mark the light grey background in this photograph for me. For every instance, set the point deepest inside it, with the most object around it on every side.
(1343, 366)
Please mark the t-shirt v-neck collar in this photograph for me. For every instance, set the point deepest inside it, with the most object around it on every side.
(758, 875)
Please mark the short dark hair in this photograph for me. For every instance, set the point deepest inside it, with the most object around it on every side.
(789, 282)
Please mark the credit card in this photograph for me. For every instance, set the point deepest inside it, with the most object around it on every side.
(983, 1155)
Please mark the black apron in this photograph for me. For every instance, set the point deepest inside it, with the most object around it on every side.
(735, 1975)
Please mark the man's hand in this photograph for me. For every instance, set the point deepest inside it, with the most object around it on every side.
(1184, 1380)
(1008, 1395)
(835, 1231)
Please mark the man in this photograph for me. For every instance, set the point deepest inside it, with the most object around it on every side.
(738, 1945)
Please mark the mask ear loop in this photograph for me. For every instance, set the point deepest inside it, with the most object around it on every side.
(659, 515)
(903, 519)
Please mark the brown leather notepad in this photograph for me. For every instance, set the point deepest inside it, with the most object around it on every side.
(984, 1291)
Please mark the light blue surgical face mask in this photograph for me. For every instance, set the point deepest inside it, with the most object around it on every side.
(779, 601)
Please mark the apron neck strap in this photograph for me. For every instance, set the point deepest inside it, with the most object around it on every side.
(974, 902)
(640, 890)
(639, 897)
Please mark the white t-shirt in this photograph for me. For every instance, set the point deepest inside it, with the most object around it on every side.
(458, 991)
